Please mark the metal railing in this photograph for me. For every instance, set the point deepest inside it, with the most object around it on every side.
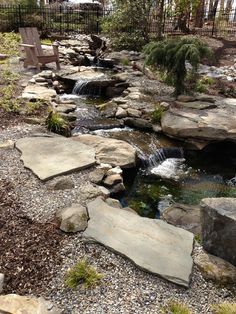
(67, 20)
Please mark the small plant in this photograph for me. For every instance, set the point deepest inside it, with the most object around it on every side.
(125, 61)
(171, 55)
(157, 114)
(224, 308)
(82, 273)
(175, 307)
(203, 83)
(9, 42)
(198, 238)
(55, 123)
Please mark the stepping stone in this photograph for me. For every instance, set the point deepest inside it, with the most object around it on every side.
(151, 244)
(49, 157)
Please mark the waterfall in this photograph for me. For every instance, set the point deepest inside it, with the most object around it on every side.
(161, 155)
(87, 88)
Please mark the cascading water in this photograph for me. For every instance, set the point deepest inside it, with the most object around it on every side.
(161, 155)
(87, 88)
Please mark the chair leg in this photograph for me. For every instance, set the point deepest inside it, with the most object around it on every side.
(58, 65)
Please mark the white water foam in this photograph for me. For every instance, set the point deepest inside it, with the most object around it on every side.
(171, 168)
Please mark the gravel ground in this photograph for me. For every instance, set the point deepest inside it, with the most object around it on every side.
(124, 288)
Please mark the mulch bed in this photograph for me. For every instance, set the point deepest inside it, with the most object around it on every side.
(29, 251)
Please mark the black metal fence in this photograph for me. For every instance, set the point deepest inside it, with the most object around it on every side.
(67, 20)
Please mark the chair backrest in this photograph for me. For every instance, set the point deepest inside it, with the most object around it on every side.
(30, 36)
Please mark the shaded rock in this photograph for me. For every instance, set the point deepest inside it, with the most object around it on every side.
(36, 92)
(156, 128)
(108, 110)
(138, 123)
(65, 108)
(110, 151)
(97, 175)
(1, 282)
(62, 184)
(7, 144)
(73, 218)
(218, 220)
(208, 98)
(71, 117)
(49, 157)
(200, 105)
(117, 188)
(113, 202)
(216, 269)
(113, 179)
(15, 304)
(151, 244)
(184, 216)
(121, 113)
(185, 98)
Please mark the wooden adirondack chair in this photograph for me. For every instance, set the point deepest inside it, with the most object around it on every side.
(32, 48)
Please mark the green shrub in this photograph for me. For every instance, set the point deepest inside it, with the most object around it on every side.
(82, 273)
(171, 55)
(157, 114)
(224, 308)
(55, 123)
(175, 307)
(203, 83)
(9, 43)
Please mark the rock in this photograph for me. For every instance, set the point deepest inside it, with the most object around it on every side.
(73, 218)
(1, 282)
(131, 210)
(117, 188)
(65, 108)
(16, 304)
(184, 216)
(134, 113)
(47, 74)
(138, 123)
(203, 97)
(165, 105)
(185, 98)
(121, 113)
(104, 191)
(97, 175)
(105, 167)
(218, 220)
(116, 170)
(156, 128)
(8, 144)
(71, 117)
(113, 202)
(122, 77)
(62, 184)
(151, 244)
(3, 56)
(110, 151)
(206, 125)
(36, 92)
(216, 269)
(89, 191)
(200, 105)
(49, 157)
(109, 109)
(113, 179)
(40, 79)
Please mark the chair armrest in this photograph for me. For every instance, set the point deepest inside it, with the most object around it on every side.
(26, 45)
(55, 47)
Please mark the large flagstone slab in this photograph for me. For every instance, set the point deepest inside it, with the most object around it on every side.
(49, 157)
(152, 244)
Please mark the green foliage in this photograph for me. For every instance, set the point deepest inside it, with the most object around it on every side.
(55, 123)
(9, 43)
(82, 273)
(203, 83)
(128, 26)
(224, 308)
(157, 114)
(170, 56)
(176, 308)
(198, 238)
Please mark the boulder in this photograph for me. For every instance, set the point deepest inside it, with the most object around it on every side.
(151, 244)
(16, 304)
(138, 123)
(73, 218)
(184, 216)
(216, 269)
(48, 157)
(113, 179)
(36, 92)
(117, 188)
(97, 175)
(115, 170)
(218, 221)
(121, 113)
(205, 125)
(134, 113)
(89, 191)
(109, 151)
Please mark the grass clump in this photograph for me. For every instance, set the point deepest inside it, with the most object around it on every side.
(157, 114)
(82, 273)
(203, 83)
(224, 308)
(9, 42)
(55, 123)
(175, 307)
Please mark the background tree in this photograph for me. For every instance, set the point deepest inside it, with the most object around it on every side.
(170, 56)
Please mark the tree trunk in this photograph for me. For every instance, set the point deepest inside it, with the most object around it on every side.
(199, 14)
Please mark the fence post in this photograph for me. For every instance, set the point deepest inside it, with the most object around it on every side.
(60, 12)
(213, 25)
(19, 15)
(97, 20)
